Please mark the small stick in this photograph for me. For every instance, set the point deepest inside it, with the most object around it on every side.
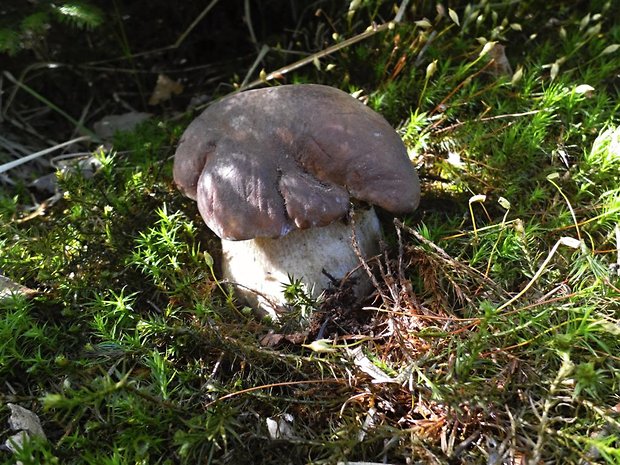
(443, 254)
(194, 24)
(358, 252)
(261, 54)
(321, 54)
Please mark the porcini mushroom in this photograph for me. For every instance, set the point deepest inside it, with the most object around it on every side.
(274, 171)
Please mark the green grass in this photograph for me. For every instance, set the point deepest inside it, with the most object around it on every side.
(498, 312)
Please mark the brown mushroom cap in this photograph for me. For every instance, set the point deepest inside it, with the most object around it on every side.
(264, 162)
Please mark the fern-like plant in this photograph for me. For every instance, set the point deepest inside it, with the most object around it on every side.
(78, 14)
(24, 29)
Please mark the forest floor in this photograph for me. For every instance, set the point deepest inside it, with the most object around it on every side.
(493, 332)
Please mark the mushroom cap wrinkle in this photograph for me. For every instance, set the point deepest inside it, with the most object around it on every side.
(265, 162)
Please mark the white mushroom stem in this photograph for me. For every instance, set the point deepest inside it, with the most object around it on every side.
(260, 268)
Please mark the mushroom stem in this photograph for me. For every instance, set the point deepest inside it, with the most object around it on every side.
(260, 268)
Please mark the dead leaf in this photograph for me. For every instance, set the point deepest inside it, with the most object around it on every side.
(25, 423)
(108, 125)
(364, 364)
(9, 288)
(281, 427)
(272, 339)
(164, 89)
(499, 66)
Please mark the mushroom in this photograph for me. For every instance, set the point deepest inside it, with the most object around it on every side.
(274, 172)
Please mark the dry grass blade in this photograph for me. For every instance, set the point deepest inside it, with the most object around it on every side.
(191, 27)
(10, 165)
(371, 31)
(278, 73)
(79, 126)
(451, 262)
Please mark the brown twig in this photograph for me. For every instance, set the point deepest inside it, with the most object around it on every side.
(488, 118)
(278, 73)
(272, 385)
(360, 256)
(445, 256)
